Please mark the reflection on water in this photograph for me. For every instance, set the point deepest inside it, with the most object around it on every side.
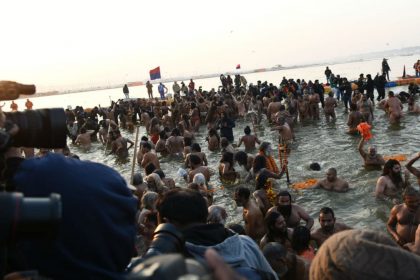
(325, 143)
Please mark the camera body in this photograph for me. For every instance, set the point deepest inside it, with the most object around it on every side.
(167, 258)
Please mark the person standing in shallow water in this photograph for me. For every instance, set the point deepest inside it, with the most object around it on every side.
(385, 68)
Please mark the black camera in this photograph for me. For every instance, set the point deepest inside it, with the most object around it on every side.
(43, 128)
(166, 258)
(28, 217)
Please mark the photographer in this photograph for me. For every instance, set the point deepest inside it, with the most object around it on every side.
(187, 211)
(94, 229)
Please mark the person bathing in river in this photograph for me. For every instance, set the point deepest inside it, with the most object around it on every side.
(291, 212)
(354, 119)
(370, 158)
(332, 182)
(393, 107)
(391, 182)
(226, 171)
(248, 140)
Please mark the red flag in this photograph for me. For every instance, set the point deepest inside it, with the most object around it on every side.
(155, 73)
(238, 66)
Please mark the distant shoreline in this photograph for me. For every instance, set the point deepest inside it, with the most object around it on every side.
(355, 58)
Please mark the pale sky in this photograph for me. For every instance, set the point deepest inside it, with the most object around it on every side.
(82, 43)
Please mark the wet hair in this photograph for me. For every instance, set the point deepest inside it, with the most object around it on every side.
(195, 147)
(391, 93)
(224, 142)
(227, 157)
(315, 166)
(144, 138)
(264, 146)
(409, 191)
(194, 159)
(194, 187)
(83, 130)
(333, 170)
(285, 193)
(187, 141)
(259, 163)
(150, 167)
(326, 210)
(247, 130)
(148, 199)
(237, 228)
(274, 250)
(261, 180)
(389, 164)
(301, 238)
(353, 107)
(215, 215)
(175, 132)
(162, 135)
(160, 173)
(270, 221)
(243, 192)
(137, 179)
(146, 145)
(183, 206)
(241, 157)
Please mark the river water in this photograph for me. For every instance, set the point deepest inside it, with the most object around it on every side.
(326, 143)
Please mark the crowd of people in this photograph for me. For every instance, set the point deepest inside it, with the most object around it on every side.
(276, 238)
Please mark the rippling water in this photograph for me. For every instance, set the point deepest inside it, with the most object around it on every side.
(326, 143)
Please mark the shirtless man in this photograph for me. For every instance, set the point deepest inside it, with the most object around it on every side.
(196, 168)
(175, 143)
(394, 108)
(285, 133)
(119, 146)
(414, 247)
(329, 107)
(273, 108)
(365, 107)
(405, 218)
(277, 230)
(328, 226)
(313, 106)
(332, 183)
(213, 140)
(252, 215)
(303, 107)
(371, 158)
(354, 119)
(248, 140)
(412, 106)
(413, 170)
(391, 181)
(148, 156)
(161, 144)
(292, 213)
(84, 138)
(196, 150)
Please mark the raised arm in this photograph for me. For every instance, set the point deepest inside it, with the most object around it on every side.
(413, 170)
(360, 147)
(305, 216)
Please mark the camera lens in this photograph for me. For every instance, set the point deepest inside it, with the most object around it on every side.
(28, 217)
(43, 128)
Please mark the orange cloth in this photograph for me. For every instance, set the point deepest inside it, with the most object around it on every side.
(305, 184)
(364, 129)
(308, 254)
(271, 164)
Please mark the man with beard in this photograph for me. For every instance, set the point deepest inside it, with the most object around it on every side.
(292, 213)
(332, 182)
(328, 226)
(404, 218)
(371, 158)
(391, 181)
(252, 215)
(277, 230)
